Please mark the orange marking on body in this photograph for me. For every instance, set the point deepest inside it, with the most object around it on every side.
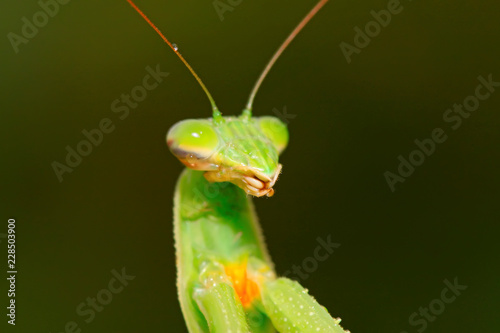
(246, 289)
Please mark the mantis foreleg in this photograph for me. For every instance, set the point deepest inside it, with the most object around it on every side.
(292, 309)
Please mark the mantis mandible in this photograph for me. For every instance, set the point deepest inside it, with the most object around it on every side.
(225, 277)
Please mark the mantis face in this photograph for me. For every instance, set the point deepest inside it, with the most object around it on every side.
(243, 151)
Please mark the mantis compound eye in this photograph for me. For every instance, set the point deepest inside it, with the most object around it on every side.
(193, 142)
(276, 131)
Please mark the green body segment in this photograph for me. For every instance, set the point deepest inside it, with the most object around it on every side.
(215, 226)
(222, 309)
(216, 221)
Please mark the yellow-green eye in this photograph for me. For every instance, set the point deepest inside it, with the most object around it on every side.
(276, 131)
(192, 139)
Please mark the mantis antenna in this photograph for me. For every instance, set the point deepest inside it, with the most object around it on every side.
(248, 110)
(216, 113)
(276, 55)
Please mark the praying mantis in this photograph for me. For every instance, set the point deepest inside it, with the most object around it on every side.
(225, 277)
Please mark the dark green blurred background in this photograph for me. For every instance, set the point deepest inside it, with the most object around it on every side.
(351, 123)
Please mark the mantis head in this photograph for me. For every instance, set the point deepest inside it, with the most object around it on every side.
(243, 150)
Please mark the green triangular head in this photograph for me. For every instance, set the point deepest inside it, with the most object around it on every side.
(242, 150)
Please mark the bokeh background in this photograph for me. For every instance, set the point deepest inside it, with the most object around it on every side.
(351, 123)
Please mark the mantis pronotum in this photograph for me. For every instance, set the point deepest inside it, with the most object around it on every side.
(226, 280)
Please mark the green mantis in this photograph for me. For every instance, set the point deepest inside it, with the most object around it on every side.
(226, 280)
